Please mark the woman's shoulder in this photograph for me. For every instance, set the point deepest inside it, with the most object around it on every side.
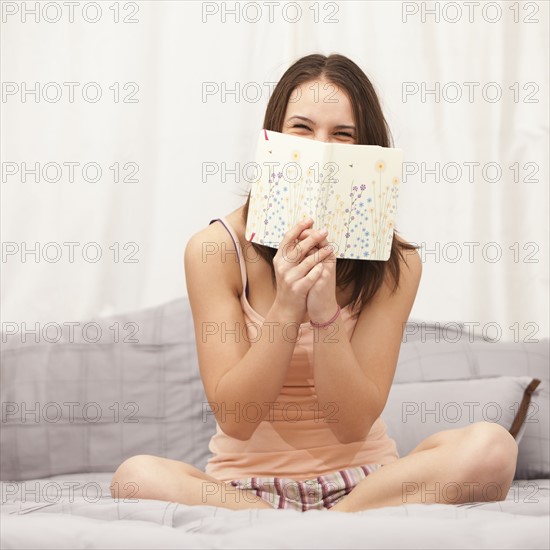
(207, 241)
(215, 234)
(211, 249)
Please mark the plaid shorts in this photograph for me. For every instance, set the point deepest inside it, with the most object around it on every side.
(318, 493)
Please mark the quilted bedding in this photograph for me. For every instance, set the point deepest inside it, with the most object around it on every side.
(77, 511)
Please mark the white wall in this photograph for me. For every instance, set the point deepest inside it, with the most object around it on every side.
(173, 129)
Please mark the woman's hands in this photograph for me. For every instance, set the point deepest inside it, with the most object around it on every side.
(321, 301)
(298, 266)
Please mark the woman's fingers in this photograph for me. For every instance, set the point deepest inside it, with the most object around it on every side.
(292, 234)
(311, 261)
(315, 272)
(305, 248)
(312, 241)
(307, 238)
(288, 244)
(306, 233)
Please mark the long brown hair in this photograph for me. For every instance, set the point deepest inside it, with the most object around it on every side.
(371, 129)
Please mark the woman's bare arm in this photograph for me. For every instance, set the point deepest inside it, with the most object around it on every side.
(353, 377)
(241, 379)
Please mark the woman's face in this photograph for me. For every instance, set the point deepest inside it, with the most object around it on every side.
(320, 110)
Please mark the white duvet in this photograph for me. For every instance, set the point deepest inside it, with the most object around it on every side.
(77, 511)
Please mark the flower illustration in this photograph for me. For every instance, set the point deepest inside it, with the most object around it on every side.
(380, 166)
(395, 181)
(296, 155)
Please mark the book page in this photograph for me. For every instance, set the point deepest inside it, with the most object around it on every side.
(351, 190)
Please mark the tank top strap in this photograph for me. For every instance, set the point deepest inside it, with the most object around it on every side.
(238, 249)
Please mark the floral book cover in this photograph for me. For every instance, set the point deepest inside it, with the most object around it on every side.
(350, 189)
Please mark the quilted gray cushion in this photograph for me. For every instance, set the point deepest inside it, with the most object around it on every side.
(435, 351)
(416, 410)
(96, 404)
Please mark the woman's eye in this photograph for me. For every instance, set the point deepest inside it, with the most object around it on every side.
(344, 134)
(300, 126)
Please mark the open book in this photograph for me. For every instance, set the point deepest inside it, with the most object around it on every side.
(350, 189)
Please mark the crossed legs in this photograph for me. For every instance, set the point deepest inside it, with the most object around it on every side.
(471, 464)
(152, 477)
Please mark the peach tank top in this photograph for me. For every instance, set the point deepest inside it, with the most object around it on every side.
(295, 440)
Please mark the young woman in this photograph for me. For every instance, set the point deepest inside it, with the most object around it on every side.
(298, 406)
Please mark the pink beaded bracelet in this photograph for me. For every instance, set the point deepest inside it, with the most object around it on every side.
(323, 325)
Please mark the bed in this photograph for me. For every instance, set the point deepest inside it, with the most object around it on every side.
(77, 402)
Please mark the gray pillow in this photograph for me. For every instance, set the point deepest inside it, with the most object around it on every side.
(443, 351)
(416, 410)
(81, 406)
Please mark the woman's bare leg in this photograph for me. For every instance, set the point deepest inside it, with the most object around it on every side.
(156, 478)
(472, 464)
